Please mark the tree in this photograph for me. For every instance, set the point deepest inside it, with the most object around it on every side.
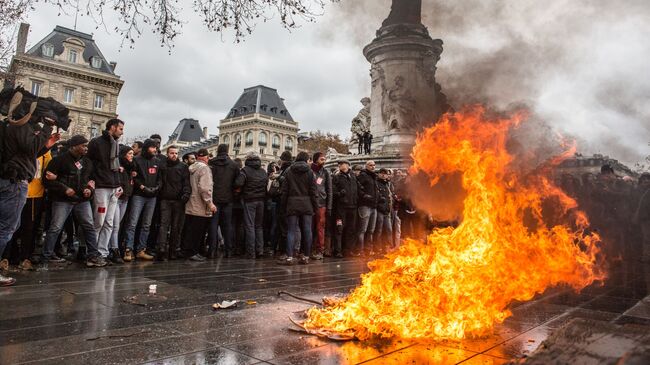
(165, 18)
(319, 141)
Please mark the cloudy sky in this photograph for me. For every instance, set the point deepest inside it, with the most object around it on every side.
(580, 65)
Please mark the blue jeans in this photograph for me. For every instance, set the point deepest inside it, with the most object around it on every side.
(305, 231)
(222, 218)
(12, 200)
(140, 206)
(367, 221)
(83, 214)
(254, 227)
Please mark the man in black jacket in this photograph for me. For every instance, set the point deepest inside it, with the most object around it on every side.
(104, 153)
(224, 174)
(367, 207)
(299, 199)
(383, 235)
(345, 199)
(174, 193)
(323, 212)
(71, 192)
(253, 180)
(147, 184)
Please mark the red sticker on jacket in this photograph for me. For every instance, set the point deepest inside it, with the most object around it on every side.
(152, 170)
(101, 210)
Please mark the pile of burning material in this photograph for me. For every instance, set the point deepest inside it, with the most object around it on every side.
(459, 283)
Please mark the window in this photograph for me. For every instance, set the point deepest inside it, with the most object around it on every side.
(99, 101)
(263, 107)
(276, 141)
(226, 140)
(249, 138)
(72, 56)
(47, 50)
(262, 139)
(37, 87)
(94, 129)
(236, 152)
(274, 110)
(68, 95)
(238, 141)
(289, 144)
(261, 151)
(96, 62)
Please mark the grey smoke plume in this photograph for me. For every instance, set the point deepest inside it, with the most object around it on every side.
(580, 65)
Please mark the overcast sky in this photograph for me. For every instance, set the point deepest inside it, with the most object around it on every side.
(580, 65)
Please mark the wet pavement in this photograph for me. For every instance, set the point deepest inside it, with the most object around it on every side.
(103, 316)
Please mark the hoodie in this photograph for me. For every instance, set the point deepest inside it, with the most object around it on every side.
(252, 180)
(224, 174)
(299, 190)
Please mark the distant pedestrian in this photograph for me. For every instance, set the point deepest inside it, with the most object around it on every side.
(174, 193)
(200, 208)
(224, 173)
(346, 198)
(252, 181)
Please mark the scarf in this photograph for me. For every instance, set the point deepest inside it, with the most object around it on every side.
(115, 154)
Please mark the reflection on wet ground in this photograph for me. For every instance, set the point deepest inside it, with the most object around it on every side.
(79, 316)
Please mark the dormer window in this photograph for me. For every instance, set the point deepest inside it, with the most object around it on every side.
(48, 50)
(283, 112)
(263, 107)
(96, 62)
(233, 112)
(242, 109)
(274, 110)
(72, 56)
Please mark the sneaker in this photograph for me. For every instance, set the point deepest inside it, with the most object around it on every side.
(55, 259)
(4, 265)
(96, 261)
(304, 260)
(6, 281)
(128, 255)
(287, 261)
(143, 255)
(116, 257)
(197, 257)
(26, 265)
(317, 256)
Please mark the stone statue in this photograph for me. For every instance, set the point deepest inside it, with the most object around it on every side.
(398, 107)
(404, 12)
(361, 124)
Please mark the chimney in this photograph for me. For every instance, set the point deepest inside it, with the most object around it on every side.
(205, 132)
(21, 42)
(113, 65)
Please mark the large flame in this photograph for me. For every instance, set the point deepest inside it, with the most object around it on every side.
(460, 282)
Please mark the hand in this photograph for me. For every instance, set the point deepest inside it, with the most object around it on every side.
(213, 208)
(134, 174)
(91, 184)
(54, 137)
(119, 192)
(50, 176)
(121, 169)
(87, 193)
(69, 192)
(142, 187)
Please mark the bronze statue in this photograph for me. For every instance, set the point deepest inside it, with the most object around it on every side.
(404, 11)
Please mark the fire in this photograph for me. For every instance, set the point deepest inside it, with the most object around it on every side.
(459, 283)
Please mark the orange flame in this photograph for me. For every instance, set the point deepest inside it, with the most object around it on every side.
(460, 282)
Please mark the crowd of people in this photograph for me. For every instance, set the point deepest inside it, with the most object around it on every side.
(102, 203)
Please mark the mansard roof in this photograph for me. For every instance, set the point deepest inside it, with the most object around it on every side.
(262, 100)
(187, 130)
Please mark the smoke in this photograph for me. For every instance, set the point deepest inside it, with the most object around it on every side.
(580, 66)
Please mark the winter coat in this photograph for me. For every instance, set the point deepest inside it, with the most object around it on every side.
(22, 146)
(148, 174)
(345, 190)
(224, 174)
(299, 191)
(367, 189)
(384, 203)
(99, 150)
(323, 180)
(71, 172)
(175, 181)
(201, 197)
(252, 180)
(126, 180)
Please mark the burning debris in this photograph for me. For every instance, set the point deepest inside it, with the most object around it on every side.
(460, 282)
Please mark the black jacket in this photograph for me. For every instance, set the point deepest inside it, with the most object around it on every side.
(224, 174)
(126, 180)
(345, 190)
(299, 191)
(148, 174)
(175, 181)
(384, 195)
(22, 146)
(324, 189)
(252, 180)
(99, 150)
(367, 189)
(71, 172)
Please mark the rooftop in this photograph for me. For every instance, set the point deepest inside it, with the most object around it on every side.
(260, 99)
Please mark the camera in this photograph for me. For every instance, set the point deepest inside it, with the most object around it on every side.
(21, 107)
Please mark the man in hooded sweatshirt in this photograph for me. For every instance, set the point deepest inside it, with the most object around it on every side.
(252, 181)
(224, 174)
(324, 210)
(299, 199)
(147, 184)
(200, 208)
(175, 192)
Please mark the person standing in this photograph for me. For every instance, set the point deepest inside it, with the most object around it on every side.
(200, 208)
(175, 192)
(71, 193)
(127, 173)
(299, 197)
(147, 184)
(345, 193)
(104, 153)
(383, 235)
(252, 181)
(137, 148)
(224, 174)
(367, 207)
(324, 199)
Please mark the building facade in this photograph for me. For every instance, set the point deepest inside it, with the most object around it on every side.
(259, 122)
(68, 66)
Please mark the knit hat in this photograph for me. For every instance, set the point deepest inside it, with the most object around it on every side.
(124, 149)
(77, 140)
(222, 148)
(286, 156)
(344, 161)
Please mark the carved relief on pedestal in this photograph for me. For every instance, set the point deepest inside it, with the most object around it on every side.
(398, 107)
(377, 75)
(427, 67)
